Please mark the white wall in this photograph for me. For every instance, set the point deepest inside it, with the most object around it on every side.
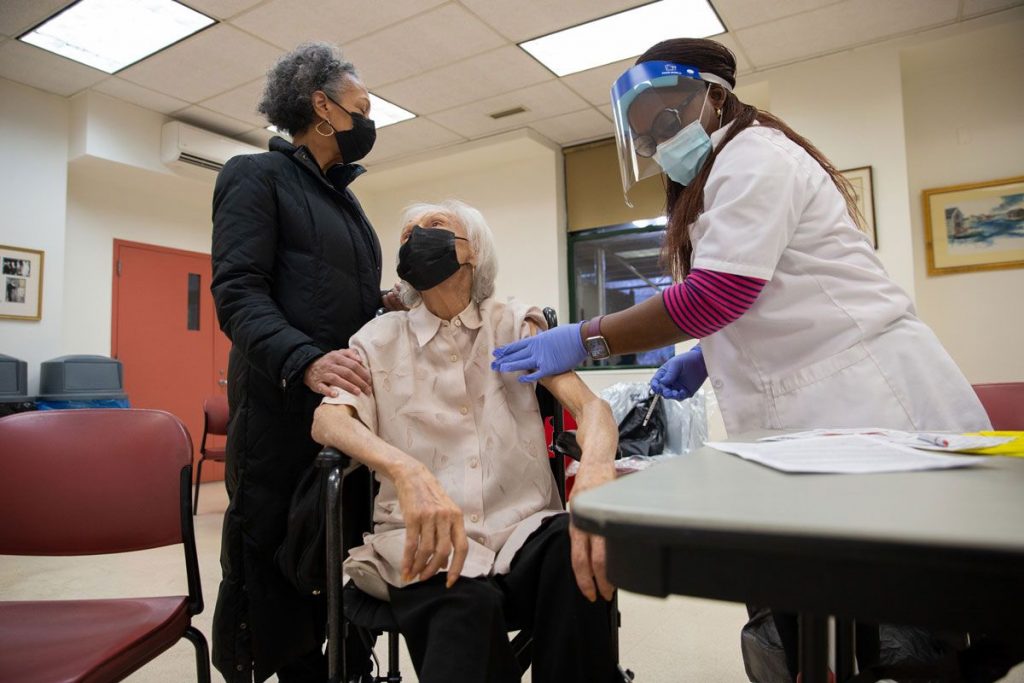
(34, 139)
(965, 123)
(108, 201)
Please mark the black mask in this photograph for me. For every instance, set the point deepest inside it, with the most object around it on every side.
(428, 257)
(355, 143)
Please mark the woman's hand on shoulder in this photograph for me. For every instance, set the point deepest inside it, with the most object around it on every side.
(338, 370)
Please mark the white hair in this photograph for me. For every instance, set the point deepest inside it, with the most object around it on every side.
(481, 242)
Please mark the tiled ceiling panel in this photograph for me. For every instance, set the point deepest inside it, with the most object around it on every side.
(973, 8)
(737, 14)
(207, 64)
(542, 101)
(221, 9)
(489, 74)
(286, 23)
(567, 129)
(525, 19)
(595, 84)
(211, 120)
(17, 16)
(412, 46)
(846, 24)
(410, 137)
(33, 66)
(136, 94)
(240, 103)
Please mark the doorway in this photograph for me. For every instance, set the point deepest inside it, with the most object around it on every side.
(165, 333)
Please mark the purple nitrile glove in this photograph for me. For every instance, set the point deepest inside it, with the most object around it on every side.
(681, 376)
(549, 353)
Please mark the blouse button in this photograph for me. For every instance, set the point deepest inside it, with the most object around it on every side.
(464, 410)
(473, 463)
(717, 383)
(454, 357)
(458, 323)
(474, 517)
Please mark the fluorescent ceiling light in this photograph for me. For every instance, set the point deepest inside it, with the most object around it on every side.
(384, 113)
(623, 35)
(111, 34)
(660, 220)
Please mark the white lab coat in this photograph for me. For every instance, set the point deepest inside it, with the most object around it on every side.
(831, 341)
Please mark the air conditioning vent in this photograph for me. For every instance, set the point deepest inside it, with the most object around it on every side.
(186, 147)
(186, 158)
(508, 112)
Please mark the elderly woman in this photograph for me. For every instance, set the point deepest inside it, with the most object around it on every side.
(296, 271)
(470, 538)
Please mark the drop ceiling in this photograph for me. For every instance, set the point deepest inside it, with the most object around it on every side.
(452, 63)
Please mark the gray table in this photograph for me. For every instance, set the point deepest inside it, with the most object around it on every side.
(942, 549)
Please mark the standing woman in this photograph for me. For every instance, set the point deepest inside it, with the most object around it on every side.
(800, 325)
(296, 271)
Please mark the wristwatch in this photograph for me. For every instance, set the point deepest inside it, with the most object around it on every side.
(595, 345)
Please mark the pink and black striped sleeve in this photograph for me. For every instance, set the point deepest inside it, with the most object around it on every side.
(707, 300)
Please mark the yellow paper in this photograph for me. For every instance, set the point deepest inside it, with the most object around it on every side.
(1014, 448)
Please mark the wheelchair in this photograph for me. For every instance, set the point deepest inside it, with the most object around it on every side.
(349, 608)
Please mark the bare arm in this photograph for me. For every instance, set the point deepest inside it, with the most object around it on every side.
(598, 437)
(643, 327)
(434, 526)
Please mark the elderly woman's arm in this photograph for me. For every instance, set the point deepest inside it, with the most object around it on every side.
(598, 437)
(434, 526)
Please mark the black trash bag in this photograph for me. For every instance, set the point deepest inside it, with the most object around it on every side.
(635, 438)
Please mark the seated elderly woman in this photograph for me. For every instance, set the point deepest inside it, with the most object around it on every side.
(470, 538)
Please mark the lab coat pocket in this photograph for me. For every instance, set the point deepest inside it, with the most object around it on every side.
(846, 389)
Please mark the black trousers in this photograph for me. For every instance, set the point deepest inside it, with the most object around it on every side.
(461, 633)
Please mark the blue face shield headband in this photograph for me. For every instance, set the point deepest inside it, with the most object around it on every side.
(669, 111)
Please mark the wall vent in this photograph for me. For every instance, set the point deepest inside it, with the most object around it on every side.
(508, 112)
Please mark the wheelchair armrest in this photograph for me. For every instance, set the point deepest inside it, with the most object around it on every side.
(330, 457)
(566, 444)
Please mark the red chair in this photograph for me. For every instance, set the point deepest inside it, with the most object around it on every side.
(88, 482)
(215, 421)
(1004, 403)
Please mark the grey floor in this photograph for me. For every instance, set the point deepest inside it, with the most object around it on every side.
(662, 641)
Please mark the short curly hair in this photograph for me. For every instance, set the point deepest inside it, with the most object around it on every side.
(291, 82)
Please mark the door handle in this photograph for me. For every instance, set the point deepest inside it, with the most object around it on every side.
(222, 382)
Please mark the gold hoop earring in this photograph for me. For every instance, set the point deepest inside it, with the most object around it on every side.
(320, 132)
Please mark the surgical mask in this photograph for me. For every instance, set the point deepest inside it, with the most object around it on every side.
(428, 257)
(355, 143)
(683, 155)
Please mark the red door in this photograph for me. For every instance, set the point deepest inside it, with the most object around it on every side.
(165, 334)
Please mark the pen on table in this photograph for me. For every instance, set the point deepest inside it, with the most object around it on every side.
(650, 411)
(933, 440)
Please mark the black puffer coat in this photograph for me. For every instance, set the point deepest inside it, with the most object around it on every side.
(296, 271)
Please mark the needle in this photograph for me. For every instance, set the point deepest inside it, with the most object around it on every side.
(650, 411)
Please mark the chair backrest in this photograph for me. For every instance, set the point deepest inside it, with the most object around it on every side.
(1004, 403)
(84, 482)
(215, 408)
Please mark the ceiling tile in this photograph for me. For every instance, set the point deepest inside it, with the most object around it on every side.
(540, 101)
(136, 94)
(975, 7)
(221, 9)
(727, 39)
(212, 121)
(18, 16)
(38, 68)
(595, 85)
(836, 27)
(410, 47)
(739, 14)
(409, 137)
(259, 137)
(204, 65)
(580, 126)
(489, 74)
(525, 19)
(240, 103)
(287, 23)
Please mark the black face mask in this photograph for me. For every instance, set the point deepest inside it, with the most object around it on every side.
(428, 257)
(355, 143)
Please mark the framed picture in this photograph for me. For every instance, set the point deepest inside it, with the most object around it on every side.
(979, 226)
(22, 274)
(860, 180)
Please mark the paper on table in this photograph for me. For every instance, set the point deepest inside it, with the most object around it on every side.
(851, 454)
(929, 441)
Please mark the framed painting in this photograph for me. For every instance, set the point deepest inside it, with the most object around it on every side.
(863, 192)
(22, 273)
(979, 226)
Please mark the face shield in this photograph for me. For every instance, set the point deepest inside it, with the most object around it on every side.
(651, 102)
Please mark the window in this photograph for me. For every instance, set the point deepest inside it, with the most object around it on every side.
(612, 269)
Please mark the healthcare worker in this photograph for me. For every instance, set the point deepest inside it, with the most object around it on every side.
(800, 325)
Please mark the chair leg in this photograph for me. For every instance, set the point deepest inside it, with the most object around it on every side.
(199, 476)
(337, 666)
(202, 654)
(394, 675)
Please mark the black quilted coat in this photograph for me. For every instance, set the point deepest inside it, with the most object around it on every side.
(296, 271)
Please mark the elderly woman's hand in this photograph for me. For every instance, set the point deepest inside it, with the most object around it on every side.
(588, 550)
(433, 525)
(392, 300)
(341, 369)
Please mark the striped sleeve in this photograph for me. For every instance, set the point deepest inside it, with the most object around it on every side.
(707, 300)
